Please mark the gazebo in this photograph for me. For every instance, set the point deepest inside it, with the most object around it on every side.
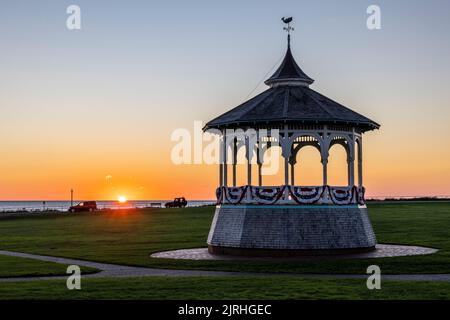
(289, 219)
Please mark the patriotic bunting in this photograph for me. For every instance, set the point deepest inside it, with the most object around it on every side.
(306, 195)
(299, 195)
(267, 195)
(341, 195)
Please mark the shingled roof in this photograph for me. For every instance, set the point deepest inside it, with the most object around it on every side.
(289, 71)
(290, 100)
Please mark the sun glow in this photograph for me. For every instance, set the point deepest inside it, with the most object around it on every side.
(122, 199)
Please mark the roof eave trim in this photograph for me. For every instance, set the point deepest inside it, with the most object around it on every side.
(370, 125)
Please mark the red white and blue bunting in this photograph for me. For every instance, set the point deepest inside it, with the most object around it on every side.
(299, 195)
(306, 195)
(267, 195)
(235, 195)
(341, 195)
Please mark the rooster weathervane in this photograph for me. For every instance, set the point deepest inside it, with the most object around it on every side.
(288, 27)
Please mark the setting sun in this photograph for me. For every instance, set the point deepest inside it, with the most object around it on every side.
(122, 199)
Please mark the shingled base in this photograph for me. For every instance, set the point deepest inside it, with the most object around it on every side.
(290, 230)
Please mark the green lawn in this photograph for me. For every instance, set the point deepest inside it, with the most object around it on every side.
(224, 288)
(18, 267)
(128, 237)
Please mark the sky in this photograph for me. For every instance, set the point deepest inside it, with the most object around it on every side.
(94, 109)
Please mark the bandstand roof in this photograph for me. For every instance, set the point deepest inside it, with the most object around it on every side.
(289, 100)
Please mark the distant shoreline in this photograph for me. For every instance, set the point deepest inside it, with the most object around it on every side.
(61, 206)
(22, 208)
(403, 199)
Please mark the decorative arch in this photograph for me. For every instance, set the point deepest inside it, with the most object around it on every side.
(346, 141)
(343, 143)
(338, 173)
(295, 136)
(306, 168)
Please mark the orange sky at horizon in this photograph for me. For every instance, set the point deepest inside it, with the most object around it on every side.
(140, 174)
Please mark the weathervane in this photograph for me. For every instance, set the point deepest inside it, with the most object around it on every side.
(288, 21)
(288, 28)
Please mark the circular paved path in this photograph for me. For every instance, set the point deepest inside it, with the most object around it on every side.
(118, 271)
(382, 251)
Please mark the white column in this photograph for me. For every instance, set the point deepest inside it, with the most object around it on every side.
(259, 174)
(351, 171)
(293, 162)
(249, 144)
(292, 173)
(324, 153)
(249, 160)
(351, 161)
(360, 174)
(286, 171)
(286, 178)
(221, 162)
(259, 160)
(221, 175)
(234, 161)
(324, 170)
(286, 153)
(225, 168)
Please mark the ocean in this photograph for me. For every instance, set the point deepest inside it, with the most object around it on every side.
(17, 206)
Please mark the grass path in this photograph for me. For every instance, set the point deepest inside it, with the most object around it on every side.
(120, 271)
(114, 282)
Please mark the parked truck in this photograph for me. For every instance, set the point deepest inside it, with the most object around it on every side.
(177, 203)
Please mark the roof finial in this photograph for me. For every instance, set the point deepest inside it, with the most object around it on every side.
(288, 28)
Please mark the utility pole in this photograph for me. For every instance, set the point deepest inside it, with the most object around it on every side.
(71, 197)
